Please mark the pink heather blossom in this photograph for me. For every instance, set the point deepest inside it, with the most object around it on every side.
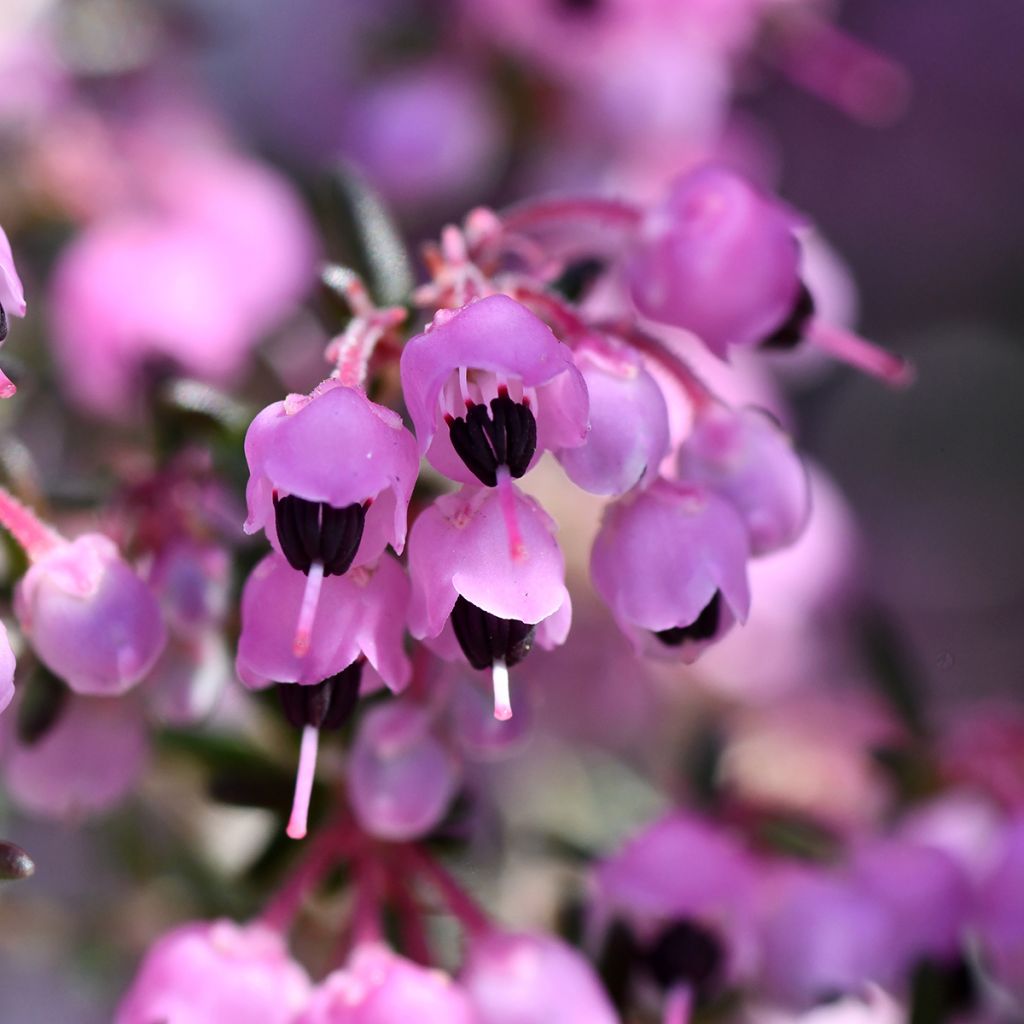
(927, 891)
(336, 449)
(360, 615)
(401, 778)
(190, 279)
(89, 617)
(744, 456)
(1000, 912)
(825, 935)
(719, 259)
(377, 986)
(532, 978)
(712, 901)
(504, 385)
(670, 563)
(6, 669)
(486, 564)
(212, 973)
(88, 760)
(629, 430)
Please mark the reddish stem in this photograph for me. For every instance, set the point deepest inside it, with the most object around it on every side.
(699, 394)
(458, 901)
(34, 536)
(540, 212)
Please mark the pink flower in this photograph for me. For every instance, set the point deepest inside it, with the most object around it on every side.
(629, 432)
(488, 563)
(212, 973)
(527, 978)
(744, 456)
(6, 669)
(692, 927)
(361, 615)
(1001, 909)
(401, 778)
(88, 760)
(719, 259)
(90, 618)
(504, 385)
(330, 479)
(670, 563)
(378, 986)
(190, 279)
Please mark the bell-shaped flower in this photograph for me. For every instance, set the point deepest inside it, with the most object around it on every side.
(489, 388)
(377, 986)
(214, 972)
(6, 669)
(88, 760)
(532, 978)
(487, 562)
(629, 429)
(12, 301)
(89, 617)
(692, 929)
(825, 935)
(401, 777)
(361, 616)
(670, 563)
(330, 476)
(744, 456)
(719, 259)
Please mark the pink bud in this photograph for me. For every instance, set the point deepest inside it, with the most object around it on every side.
(212, 973)
(530, 978)
(12, 295)
(85, 763)
(629, 432)
(89, 617)
(719, 259)
(744, 456)
(670, 563)
(401, 778)
(378, 986)
(490, 388)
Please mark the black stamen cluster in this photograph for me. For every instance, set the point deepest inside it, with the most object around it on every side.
(485, 639)
(486, 440)
(791, 332)
(313, 531)
(326, 705)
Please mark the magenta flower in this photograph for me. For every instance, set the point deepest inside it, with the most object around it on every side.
(211, 973)
(12, 301)
(89, 617)
(629, 431)
(527, 978)
(504, 385)
(487, 562)
(670, 563)
(190, 278)
(719, 259)
(692, 929)
(88, 760)
(377, 986)
(401, 778)
(1000, 914)
(6, 669)
(744, 456)
(361, 616)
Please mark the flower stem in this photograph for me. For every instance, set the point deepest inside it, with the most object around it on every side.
(458, 901)
(34, 536)
(541, 212)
